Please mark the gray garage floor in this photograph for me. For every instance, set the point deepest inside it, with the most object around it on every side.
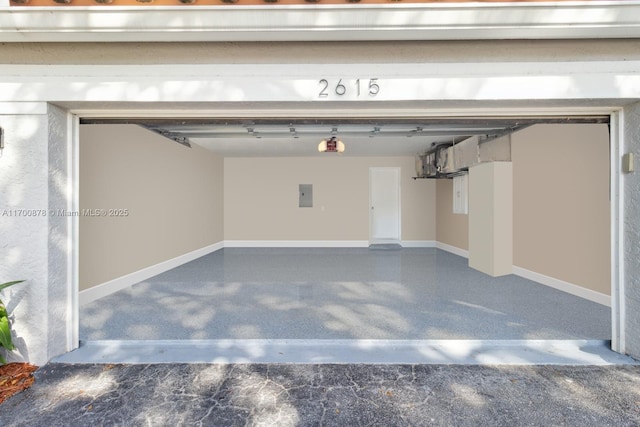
(408, 294)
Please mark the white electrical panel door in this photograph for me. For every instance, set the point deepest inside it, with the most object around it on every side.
(461, 194)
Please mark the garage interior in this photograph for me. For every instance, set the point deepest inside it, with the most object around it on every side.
(232, 185)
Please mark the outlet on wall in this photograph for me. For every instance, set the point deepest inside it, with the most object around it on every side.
(627, 163)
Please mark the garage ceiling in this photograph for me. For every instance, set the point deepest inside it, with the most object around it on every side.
(362, 137)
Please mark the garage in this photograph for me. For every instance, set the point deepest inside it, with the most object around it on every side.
(210, 235)
(253, 234)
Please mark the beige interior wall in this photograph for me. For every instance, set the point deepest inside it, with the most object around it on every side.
(451, 229)
(261, 198)
(561, 203)
(173, 195)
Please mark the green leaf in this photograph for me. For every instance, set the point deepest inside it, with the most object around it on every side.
(5, 330)
(6, 285)
(5, 334)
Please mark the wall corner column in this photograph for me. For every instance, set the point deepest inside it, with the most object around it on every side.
(629, 294)
(35, 171)
(491, 218)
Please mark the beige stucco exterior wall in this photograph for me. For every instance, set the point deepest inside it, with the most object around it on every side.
(561, 203)
(261, 199)
(365, 52)
(451, 229)
(173, 195)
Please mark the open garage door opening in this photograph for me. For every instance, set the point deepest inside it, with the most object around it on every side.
(237, 229)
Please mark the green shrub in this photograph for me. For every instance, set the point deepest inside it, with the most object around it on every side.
(5, 330)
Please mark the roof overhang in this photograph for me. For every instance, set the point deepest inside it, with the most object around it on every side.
(426, 21)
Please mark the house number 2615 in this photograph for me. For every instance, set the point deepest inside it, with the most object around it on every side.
(342, 88)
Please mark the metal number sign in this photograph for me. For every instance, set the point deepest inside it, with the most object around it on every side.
(372, 88)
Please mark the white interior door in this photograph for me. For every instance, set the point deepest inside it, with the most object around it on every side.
(384, 201)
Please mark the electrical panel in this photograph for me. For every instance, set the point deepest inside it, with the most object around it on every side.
(305, 196)
(461, 194)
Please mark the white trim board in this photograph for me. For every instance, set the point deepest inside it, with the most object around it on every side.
(235, 85)
(418, 243)
(102, 290)
(452, 249)
(319, 243)
(296, 244)
(88, 295)
(552, 282)
(561, 285)
(107, 288)
(15, 108)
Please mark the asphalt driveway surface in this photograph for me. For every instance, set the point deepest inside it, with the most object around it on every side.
(327, 395)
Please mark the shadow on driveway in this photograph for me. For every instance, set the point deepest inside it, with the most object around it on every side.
(328, 395)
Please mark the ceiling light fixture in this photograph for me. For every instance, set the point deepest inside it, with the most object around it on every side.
(331, 145)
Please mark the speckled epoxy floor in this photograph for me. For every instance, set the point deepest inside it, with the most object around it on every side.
(339, 294)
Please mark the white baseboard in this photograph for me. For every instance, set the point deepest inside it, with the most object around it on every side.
(561, 285)
(452, 249)
(552, 282)
(296, 244)
(112, 286)
(319, 243)
(418, 243)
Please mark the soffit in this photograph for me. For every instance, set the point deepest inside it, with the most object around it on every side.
(322, 21)
(236, 3)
